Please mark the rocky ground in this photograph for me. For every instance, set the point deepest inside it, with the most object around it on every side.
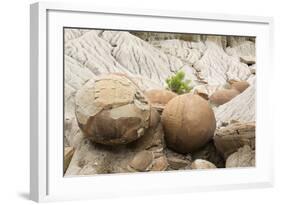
(120, 118)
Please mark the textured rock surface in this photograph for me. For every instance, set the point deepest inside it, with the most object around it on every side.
(189, 123)
(68, 153)
(148, 59)
(177, 161)
(142, 161)
(91, 158)
(202, 164)
(228, 139)
(112, 100)
(244, 157)
(241, 108)
(216, 66)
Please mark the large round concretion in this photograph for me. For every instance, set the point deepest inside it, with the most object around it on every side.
(112, 110)
(189, 123)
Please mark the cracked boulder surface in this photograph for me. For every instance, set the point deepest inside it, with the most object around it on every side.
(112, 110)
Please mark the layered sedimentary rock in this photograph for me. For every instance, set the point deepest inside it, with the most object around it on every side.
(230, 138)
(241, 108)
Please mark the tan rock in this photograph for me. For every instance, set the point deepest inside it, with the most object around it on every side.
(241, 108)
(142, 161)
(161, 97)
(68, 153)
(112, 110)
(228, 139)
(202, 164)
(244, 157)
(221, 97)
(177, 163)
(160, 164)
(189, 123)
(92, 158)
(210, 153)
(240, 86)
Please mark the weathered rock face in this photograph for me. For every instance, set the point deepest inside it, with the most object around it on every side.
(112, 110)
(202, 164)
(221, 97)
(188, 122)
(68, 153)
(228, 139)
(177, 161)
(240, 85)
(144, 154)
(241, 108)
(159, 98)
(244, 157)
(216, 66)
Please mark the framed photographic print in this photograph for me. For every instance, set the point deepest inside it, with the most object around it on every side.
(127, 102)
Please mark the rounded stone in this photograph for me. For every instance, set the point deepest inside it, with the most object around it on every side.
(240, 85)
(159, 97)
(202, 164)
(112, 110)
(189, 123)
(221, 97)
(142, 161)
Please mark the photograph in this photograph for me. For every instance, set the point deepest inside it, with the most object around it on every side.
(150, 101)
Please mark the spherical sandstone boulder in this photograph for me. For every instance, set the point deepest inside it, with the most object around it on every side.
(159, 97)
(240, 85)
(189, 123)
(221, 97)
(112, 110)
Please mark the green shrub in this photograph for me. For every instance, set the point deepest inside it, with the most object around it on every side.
(177, 83)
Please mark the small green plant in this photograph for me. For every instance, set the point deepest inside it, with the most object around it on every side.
(177, 83)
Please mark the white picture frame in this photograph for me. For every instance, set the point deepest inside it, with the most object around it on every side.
(46, 179)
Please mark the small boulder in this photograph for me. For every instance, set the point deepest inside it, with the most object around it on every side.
(235, 135)
(142, 161)
(189, 123)
(112, 110)
(160, 164)
(159, 98)
(221, 97)
(202, 164)
(244, 157)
